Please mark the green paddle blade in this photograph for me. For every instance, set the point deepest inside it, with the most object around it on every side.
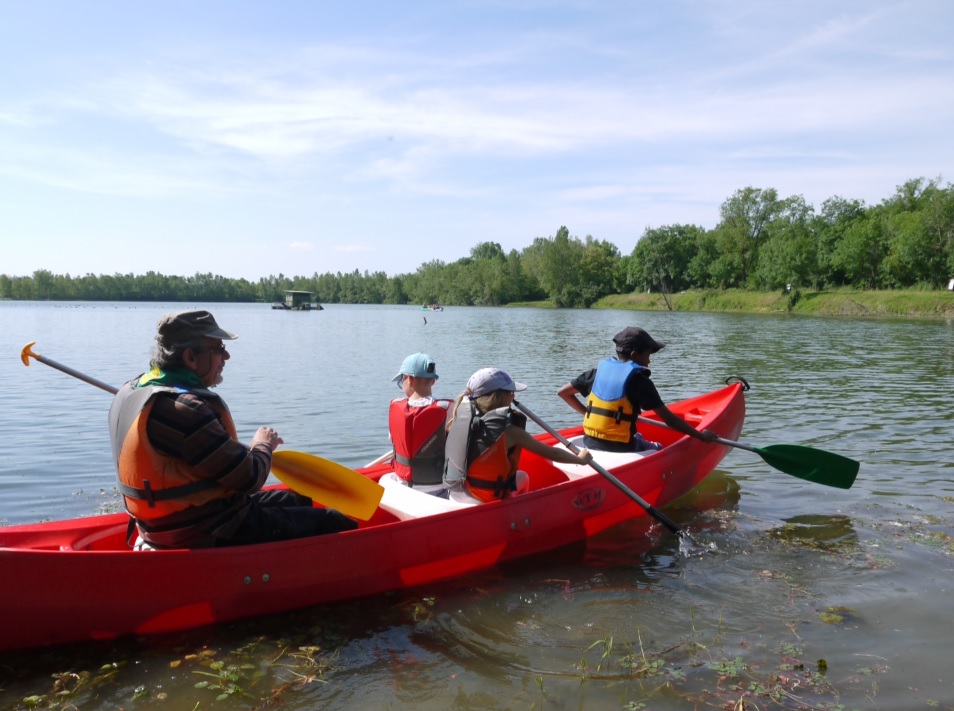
(815, 465)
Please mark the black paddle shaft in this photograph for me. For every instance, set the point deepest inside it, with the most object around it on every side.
(650, 509)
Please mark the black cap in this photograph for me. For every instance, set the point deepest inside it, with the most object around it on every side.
(181, 327)
(633, 338)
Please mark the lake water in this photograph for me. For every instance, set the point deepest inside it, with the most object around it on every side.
(807, 596)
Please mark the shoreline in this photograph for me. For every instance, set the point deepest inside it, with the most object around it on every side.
(896, 303)
(899, 303)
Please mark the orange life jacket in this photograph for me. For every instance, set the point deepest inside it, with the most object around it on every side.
(477, 452)
(153, 484)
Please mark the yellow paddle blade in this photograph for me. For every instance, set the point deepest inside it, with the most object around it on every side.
(328, 483)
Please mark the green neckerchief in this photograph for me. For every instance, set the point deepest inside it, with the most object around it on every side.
(180, 377)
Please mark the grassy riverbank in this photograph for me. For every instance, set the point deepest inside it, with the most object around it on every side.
(897, 303)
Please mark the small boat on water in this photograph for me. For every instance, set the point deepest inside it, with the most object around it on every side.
(298, 301)
(77, 579)
(432, 307)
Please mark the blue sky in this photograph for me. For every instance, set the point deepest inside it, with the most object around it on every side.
(251, 138)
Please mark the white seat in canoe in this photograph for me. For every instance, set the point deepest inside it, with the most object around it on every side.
(407, 503)
(608, 460)
(141, 545)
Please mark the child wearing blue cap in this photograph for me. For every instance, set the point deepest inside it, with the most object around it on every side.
(416, 425)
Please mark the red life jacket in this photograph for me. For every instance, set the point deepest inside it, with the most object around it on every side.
(418, 436)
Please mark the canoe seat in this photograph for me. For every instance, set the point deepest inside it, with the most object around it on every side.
(407, 503)
(141, 545)
(608, 460)
(90, 541)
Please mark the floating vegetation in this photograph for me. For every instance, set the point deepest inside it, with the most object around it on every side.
(241, 673)
(70, 686)
(691, 674)
(922, 530)
(822, 533)
(835, 615)
(419, 609)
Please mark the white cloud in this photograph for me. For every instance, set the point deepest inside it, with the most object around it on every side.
(401, 129)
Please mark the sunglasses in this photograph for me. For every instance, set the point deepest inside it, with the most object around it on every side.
(218, 349)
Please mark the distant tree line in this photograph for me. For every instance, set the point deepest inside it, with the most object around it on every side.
(762, 242)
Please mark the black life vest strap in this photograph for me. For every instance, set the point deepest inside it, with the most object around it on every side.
(498, 487)
(131, 532)
(151, 496)
(617, 414)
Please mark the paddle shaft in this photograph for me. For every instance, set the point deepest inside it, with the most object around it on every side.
(727, 442)
(384, 457)
(28, 353)
(808, 463)
(650, 509)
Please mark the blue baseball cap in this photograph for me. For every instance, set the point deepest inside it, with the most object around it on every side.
(419, 365)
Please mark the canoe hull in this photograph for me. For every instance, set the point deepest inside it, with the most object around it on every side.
(76, 580)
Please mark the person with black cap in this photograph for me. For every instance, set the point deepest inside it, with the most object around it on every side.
(616, 391)
(186, 480)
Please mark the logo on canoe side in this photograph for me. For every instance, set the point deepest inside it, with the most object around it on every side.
(589, 499)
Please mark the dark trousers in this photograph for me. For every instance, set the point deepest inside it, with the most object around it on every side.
(281, 515)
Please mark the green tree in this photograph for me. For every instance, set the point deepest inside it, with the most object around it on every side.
(861, 250)
(918, 226)
(837, 215)
(661, 258)
(555, 264)
(599, 270)
(789, 254)
(43, 283)
(699, 271)
(938, 222)
(745, 218)
(487, 250)
(427, 283)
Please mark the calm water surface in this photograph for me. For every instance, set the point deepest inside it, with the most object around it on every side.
(806, 597)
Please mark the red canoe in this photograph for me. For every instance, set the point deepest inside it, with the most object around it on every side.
(77, 580)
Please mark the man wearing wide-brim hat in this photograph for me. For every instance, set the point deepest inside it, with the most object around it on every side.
(186, 480)
(616, 391)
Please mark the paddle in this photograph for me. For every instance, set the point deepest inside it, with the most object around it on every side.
(384, 457)
(323, 480)
(28, 353)
(650, 509)
(815, 465)
(320, 479)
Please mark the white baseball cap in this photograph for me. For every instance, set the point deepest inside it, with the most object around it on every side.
(487, 380)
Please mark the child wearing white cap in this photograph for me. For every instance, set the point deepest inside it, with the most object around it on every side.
(485, 437)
